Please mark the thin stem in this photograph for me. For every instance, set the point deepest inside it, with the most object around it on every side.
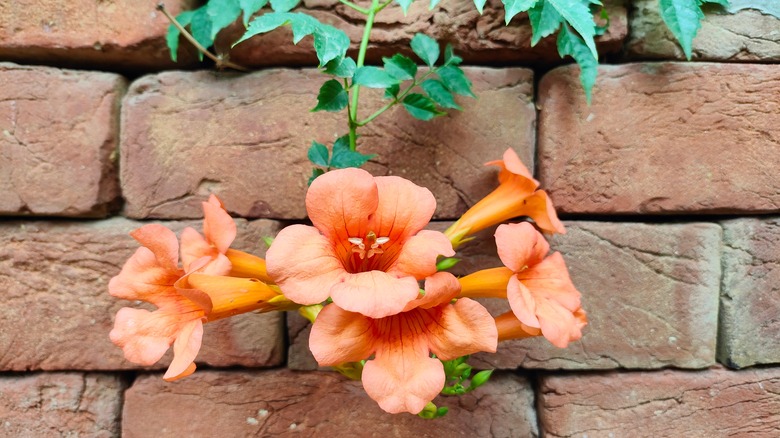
(348, 3)
(360, 61)
(397, 100)
(218, 60)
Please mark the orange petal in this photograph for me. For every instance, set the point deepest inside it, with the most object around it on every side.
(375, 294)
(539, 207)
(404, 208)
(557, 323)
(512, 165)
(194, 247)
(487, 283)
(302, 262)
(509, 327)
(522, 302)
(418, 255)
(161, 242)
(231, 296)
(247, 265)
(218, 227)
(144, 277)
(402, 377)
(550, 280)
(185, 349)
(520, 246)
(338, 336)
(340, 202)
(462, 328)
(440, 288)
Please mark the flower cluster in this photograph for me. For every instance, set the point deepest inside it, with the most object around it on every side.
(357, 273)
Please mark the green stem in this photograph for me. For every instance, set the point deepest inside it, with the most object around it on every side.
(348, 3)
(397, 100)
(375, 7)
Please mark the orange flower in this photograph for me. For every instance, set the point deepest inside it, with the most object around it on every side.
(537, 286)
(367, 248)
(402, 376)
(516, 195)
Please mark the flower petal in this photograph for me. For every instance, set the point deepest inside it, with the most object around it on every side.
(520, 246)
(557, 323)
(550, 280)
(509, 327)
(539, 207)
(302, 262)
(161, 242)
(521, 301)
(375, 294)
(339, 203)
(218, 227)
(486, 283)
(402, 377)
(247, 265)
(440, 288)
(512, 165)
(338, 336)
(465, 327)
(185, 349)
(194, 247)
(144, 277)
(418, 255)
(404, 209)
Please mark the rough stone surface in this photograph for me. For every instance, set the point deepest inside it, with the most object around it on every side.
(712, 403)
(746, 35)
(185, 135)
(750, 294)
(688, 138)
(58, 134)
(58, 313)
(60, 405)
(274, 403)
(89, 33)
(479, 39)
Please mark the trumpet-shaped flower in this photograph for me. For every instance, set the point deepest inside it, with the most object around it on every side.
(537, 286)
(402, 376)
(516, 195)
(367, 248)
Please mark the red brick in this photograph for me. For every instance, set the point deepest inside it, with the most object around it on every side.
(477, 38)
(322, 404)
(750, 297)
(58, 135)
(747, 35)
(704, 404)
(60, 404)
(245, 138)
(58, 312)
(86, 33)
(687, 138)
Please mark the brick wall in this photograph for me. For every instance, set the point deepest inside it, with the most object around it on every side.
(669, 185)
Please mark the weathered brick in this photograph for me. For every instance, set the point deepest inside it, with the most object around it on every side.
(711, 403)
(88, 33)
(477, 38)
(60, 405)
(245, 138)
(58, 313)
(744, 35)
(58, 134)
(689, 138)
(272, 403)
(750, 295)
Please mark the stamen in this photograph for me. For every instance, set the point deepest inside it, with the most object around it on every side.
(374, 245)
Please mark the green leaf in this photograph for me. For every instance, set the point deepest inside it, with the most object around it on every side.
(450, 58)
(392, 91)
(480, 4)
(400, 67)
(330, 43)
(446, 263)
(578, 15)
(200, 28)
(282, 5)
(404, 5)
(264, 23)
(332, 97)
(724, 3)
(421, 107)
(569, 43)
(249, 7)
(344, 157)
(545, 20)
(302, 25)
(222, 13)
(314, 174)
(426, 48)
(172, 37)
(318, 154)
(439, 93)
(433, 4)
(683, 17)
(373, 77)
(341, 67)
(455, 80)
(514, 7)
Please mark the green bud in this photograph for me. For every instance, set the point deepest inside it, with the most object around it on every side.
(480, 379)
(268, 240)
(310, 312)
(446, 263)
(429, 411)
(442, 411)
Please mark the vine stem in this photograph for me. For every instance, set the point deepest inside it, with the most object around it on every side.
(353, 108)
(397, 100)
(348, 3)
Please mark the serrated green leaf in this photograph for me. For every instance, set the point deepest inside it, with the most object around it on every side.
(433, 4)
(578, 15)
(344, 157)
(400, 67)
(318, 154)
(683, 17)
(421, 107)
(172, 36)
(250, 7)
(480, 4)
(200, 29)
(341, 67)
(450, 58)
(222, 13)
(332, 97)
(373, 77)
(455, 80)
(302, 25)
(265, 23)
(439, 93)
(569, 43)
(724, 3)
(514, 7)
(392, 91)
(283, 5)
(314, 174)
(404, 5)
(426, 48)
(330, 43)
(545, 20)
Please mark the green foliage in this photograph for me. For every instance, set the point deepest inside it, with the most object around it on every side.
(446, 263)
(222, 13)
(250, 7)
(570, 44)
(373, 77)
(426, 48)
(318, 154)
(332, 97)
(458, 379)
(439, 93)
(404, 5)
(344, 157)
(514, 7)
(341, 67)
(455, 80)
(430, 411)
(283, 5)
(683, 17)
(480, 4)
(400, 67)
(545, 20)
(172, 37)
(421, 107)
